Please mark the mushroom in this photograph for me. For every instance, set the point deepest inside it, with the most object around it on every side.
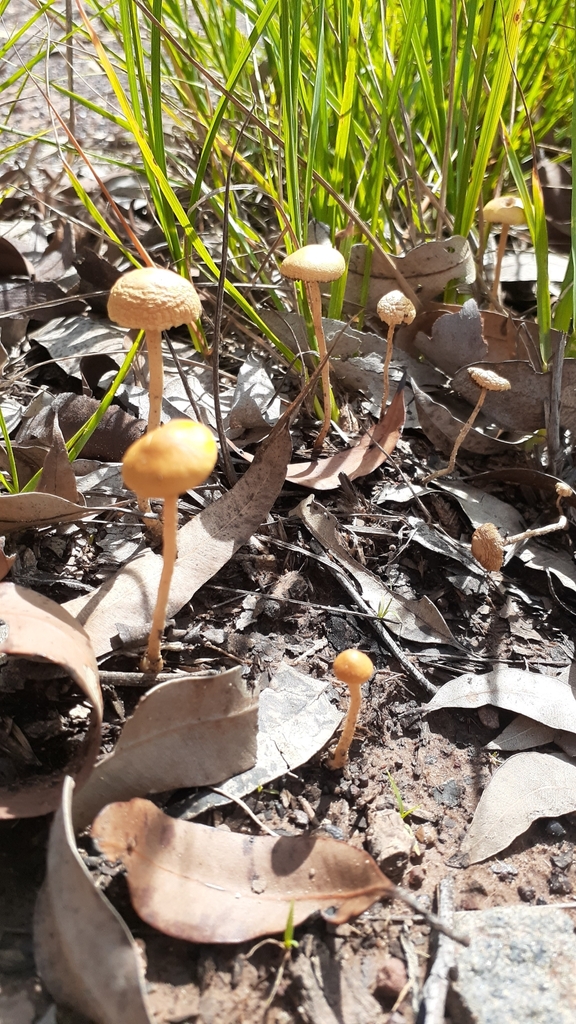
(163, 464)
(153, 299)
(313, 265)
(487, 381)
(353, 668)
(393, 308)
(488, 545)
(504, 210)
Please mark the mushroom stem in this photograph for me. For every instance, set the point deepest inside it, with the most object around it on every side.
(155, 377)
(499, 257)
(315, 303)
(387, 360)
(152, 660)
(463, 431)
(539, 531)
(340, 756)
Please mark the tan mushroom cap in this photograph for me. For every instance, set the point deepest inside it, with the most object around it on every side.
(395, 308)
(172, 459)
(488, 547)
(153, 299)
(504, 210)
(314, 263)
(352, 667)
(488, 379)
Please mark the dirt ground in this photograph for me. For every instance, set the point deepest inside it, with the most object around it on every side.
(371, 970)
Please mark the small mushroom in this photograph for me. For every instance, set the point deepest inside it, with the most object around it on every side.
(353, 668)
(163, 464)
(488, 545)
(503, 210)
(154, 300)
(487, 381)
(315, 264)
(393, 309)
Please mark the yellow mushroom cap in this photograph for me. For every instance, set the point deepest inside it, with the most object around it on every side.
(153, 299)
(488, 379)
(352, 667)
(504, 210)
(488, 547)
(172, 459)
(395, 308)
(314, 263)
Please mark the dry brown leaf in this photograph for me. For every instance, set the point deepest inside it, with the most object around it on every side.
(125, 603)
(545, 699)
(195, 731)
(57, 475)
(419, 621)
(32, 626)
(522, 734)
(528, 477)
(427, 269)
(22, 511)
(528, 786)
(84, 952)
(204, 885)
(115, 432)
(371, 451)
(442, 427)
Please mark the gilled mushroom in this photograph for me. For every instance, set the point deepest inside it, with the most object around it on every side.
(314, 265)
(488, 545)
(487, 381)
(353, 668)
(504, 210)
(393, 309)
(154, 300)
(163, 464)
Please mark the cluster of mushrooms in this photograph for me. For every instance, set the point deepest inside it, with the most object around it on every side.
(180, 455)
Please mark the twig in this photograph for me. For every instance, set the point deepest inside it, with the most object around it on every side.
(553, 431)
(433, 1004)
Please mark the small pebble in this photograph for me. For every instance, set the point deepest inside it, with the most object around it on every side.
(527, 893)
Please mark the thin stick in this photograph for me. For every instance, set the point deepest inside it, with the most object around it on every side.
(436, 985)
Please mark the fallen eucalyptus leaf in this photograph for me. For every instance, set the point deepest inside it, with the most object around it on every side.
(483, 507)
(370, 452)
(84, 952)
(295, 720)
(427, 268)
(22, 511)
(205, 885)
(115, 432)
(559, 563)
(32, 626)
(522, 734)
(419, 621)
(126, 601)
(69, 339)
(254, 403)
(57, 475)
(528, 786)
(545, 699)
(195, 731)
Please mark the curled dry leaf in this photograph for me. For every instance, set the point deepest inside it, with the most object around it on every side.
(32, 626)
(545, 699)
(84, 952)
(125, 603)
(195, 731)
(428, 268)
(419, 621)
(371, 451)
(528, 786)
(57, 475)
(204, 885)
(22, 511)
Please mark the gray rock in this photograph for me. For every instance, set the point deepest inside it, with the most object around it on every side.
(518, 969)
